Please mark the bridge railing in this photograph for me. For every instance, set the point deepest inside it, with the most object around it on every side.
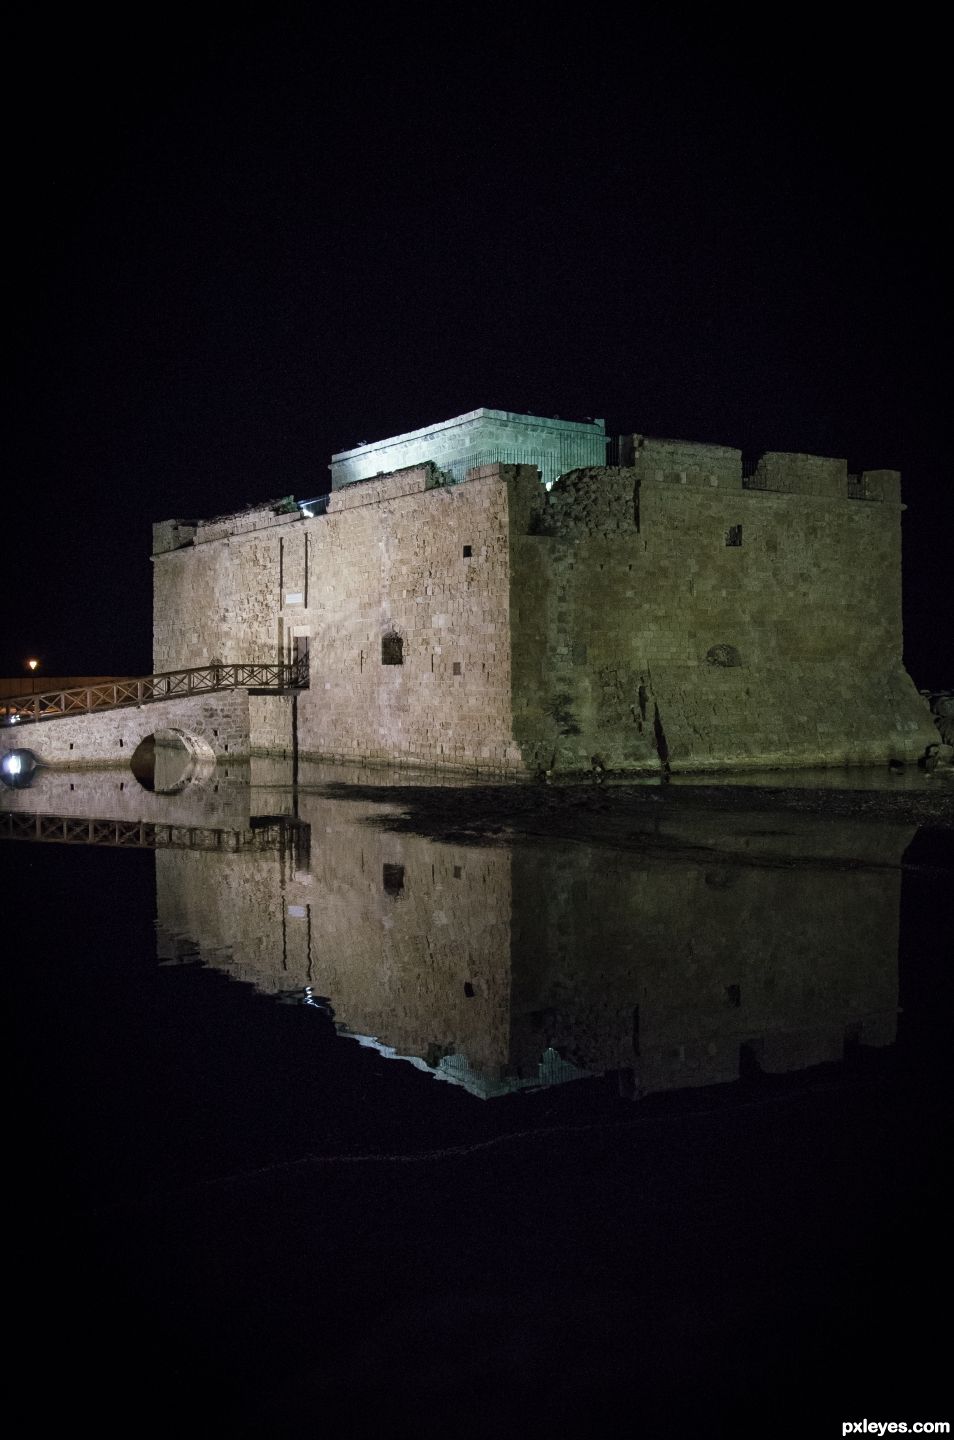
(169, 684)
(278, 834)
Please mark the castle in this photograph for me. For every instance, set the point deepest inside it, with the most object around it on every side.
(489, 595)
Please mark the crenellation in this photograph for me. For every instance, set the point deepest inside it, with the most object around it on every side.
(682, 462)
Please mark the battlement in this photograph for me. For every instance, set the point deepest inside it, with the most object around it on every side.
(570, 460)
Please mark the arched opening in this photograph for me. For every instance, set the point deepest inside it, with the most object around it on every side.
(170, 760)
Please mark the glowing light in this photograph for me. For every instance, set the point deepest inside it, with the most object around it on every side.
(12, 764)
(33, 664)
(309, 513)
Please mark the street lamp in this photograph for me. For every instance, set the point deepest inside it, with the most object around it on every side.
(32, 667)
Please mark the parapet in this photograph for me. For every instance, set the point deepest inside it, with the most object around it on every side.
(240, 522)
(413, 480)
(883, 485)
(682, 462)
(172, 535)
(819, 475)
(793, 474)
(481, 437)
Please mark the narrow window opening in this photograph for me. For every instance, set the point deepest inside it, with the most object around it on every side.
(467, 552)
(215, 732)
(71, 746)
(458, 872)
(733, 536)
(457, 670)
(469, 990)
(392, 877)
(392, 650)
(225, 748)
(120, 744)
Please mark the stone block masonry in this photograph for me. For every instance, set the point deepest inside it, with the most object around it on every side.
(231, 722)
(399, 567)
(676, 612)
(479, 437)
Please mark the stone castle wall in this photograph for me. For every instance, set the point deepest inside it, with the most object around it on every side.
(663, 609)
(388, 561)
(659, 613)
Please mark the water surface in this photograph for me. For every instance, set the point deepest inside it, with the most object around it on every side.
(334, 1116)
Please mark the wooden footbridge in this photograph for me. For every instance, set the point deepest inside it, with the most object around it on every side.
(274, 833)
(167, 685)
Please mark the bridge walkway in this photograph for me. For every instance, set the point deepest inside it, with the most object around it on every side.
(278, 677)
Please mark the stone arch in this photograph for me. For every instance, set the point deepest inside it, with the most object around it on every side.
(171, 760)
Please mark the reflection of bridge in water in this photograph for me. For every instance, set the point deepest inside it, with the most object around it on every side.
(741, 942)
(278, 834)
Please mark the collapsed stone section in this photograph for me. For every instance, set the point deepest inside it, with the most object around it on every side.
(593, 502)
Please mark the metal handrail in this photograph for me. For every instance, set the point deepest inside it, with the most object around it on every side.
(166, 685)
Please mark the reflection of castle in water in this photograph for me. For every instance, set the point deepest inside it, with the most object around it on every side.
(502, 967)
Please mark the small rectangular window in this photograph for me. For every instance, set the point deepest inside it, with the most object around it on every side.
(467, 552)
(733, 536)
(456, 667)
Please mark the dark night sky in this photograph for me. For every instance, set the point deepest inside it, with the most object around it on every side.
(243, 242)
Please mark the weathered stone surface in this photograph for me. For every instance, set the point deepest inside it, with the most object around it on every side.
(575, 629)
(110, 737)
